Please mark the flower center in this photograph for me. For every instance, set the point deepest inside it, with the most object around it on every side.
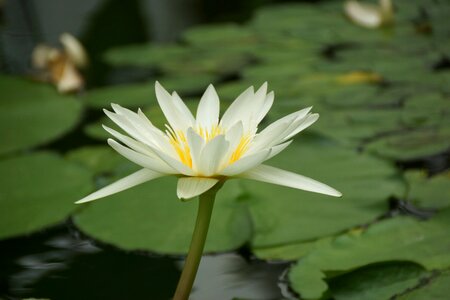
(179, 142)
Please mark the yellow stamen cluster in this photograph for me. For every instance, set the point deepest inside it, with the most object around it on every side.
(209, 133)
(179, 142)
(240, 149)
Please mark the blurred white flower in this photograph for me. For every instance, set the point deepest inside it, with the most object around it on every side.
(60, 66)
(369, 15)
(204, 150)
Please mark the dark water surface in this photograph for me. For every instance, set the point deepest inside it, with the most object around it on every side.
(58, 264)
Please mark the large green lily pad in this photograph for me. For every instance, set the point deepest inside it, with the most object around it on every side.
(32, 114)
(150, 217)
(398, 239)
(285, 216)
(38, 191)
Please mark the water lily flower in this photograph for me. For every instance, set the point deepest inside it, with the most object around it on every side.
(205, 150)
(60, 66)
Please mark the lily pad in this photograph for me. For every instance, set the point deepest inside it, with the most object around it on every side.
(377, 282)
(188, 84)
(412, 144)
(220, 35)
(397, 239)
(128, 95)
(32, 114)
(436, 288)
(98, 159)
(143, 54)
(429, 109)
(353, 126)
(285, 216)
(38, 191)
(150, 217)
(428, 193)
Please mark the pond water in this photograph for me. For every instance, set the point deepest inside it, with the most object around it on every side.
(62, 264)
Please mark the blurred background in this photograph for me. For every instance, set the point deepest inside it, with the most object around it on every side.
(378, 72)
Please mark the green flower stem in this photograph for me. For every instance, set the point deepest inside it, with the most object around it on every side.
(205, 207)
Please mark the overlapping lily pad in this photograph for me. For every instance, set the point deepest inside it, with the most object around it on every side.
(398, 239)
(33, 114)
(38, 191)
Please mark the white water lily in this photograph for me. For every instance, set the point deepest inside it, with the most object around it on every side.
(205, 150)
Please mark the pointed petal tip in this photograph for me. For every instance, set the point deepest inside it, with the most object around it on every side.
(111, 142)
(336, 194)
(83, 200)
(159, 88)
(106, 127)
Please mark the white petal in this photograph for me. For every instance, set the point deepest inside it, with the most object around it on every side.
(174, 116)
(213, 155)
(256, 105)
(237, 109)
(281, 177)
(278, 148)
(302, 125)
(143, 160)
(196, 144)
(130, 181)
(266, 107)
(152, 138)
(276, 132)
(130, 142)
(189, 187)
(309, 120)
(246, 163)
(234, 136)
(125, 124)
(208, 108)
(268, 137)
(141, 124)
(185, 111)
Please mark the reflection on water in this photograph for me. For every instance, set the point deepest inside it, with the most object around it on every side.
(57, 265)
(228, 275)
